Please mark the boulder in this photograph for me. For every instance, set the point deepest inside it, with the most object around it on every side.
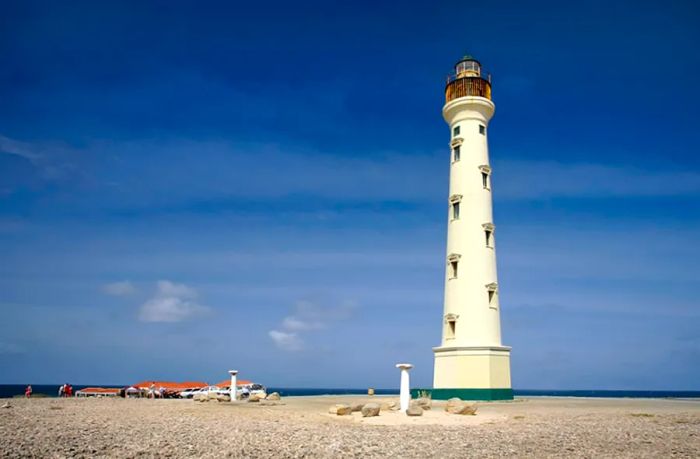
(414, 410)
(389, 405)
(355, 407)
(453, 402)
(275, 396)
(200, 398)
(256, 397)
(340, 410)
(460, 407)
(223, 398)
(370, 410)
(423, 402)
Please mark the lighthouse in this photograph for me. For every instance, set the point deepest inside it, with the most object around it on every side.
(471, 363)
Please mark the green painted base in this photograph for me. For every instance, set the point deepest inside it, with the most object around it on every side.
(465, 394)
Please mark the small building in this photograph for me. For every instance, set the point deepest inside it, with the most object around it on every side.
(98, 392)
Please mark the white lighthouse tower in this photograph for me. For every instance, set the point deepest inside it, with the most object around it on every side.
(470, 363)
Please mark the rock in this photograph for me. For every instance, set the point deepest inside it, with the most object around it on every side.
(453, 402)
(340, 410)
(200, 398)
(414, 410)
(424, 402)
(256, 397)
(7, 405)
(223, 398)
(275, 396)
(370, 410)
(213, 395)
(355, 407)
(389, 405)
(457, 406)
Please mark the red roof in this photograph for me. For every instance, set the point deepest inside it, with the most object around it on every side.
(170, 385)
(227, 383)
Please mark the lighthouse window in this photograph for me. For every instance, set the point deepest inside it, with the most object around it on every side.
(492, 295)
(455, 210)
(489, 237)
(482, 129)
(453, 269)
(485, 179)
(455, 131)
(456, 153)
(451, 325)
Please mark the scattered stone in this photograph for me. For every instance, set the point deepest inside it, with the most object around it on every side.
(355, 407)
(424, 402)
(340, 409)
(414, 410)
(253, 399)
(457, 406)
(7, 405)
(200, 398)
(275, 396)
(370, 410)
(389, 405)
(223, 398)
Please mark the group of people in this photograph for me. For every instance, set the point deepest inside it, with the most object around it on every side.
(65, 390)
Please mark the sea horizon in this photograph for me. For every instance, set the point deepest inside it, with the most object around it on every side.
(51, 390)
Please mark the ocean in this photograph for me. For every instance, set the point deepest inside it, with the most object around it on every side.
(51, 390)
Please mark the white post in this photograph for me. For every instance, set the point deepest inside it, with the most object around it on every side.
(234, 387)
(405, 392)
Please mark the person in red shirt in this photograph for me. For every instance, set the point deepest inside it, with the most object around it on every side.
(28, 391)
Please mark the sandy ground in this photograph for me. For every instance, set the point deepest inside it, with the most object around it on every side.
(301, 427)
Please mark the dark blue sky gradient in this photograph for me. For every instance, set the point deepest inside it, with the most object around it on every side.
(278, 161)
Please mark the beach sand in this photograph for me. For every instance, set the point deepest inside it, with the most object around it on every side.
(302, 427)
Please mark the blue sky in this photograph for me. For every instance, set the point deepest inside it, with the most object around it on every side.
(186, 188)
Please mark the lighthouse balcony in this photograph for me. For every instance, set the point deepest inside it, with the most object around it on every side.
(463, 86)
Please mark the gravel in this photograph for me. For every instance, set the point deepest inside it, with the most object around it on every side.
(302, 428)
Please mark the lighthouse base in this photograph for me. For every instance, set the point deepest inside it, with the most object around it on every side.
(472, 373)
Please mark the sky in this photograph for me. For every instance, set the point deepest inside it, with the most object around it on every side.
(190, 187)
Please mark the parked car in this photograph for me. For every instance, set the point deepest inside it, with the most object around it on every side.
(211, 390)
(189, 393)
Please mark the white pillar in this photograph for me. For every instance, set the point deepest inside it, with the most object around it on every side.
(234, 387)
(405, 392)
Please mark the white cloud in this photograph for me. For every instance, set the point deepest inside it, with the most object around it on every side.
(286, 341)
(17, 148)
(172, 303)
(295, 324)
(308, 316)
(122, 288)
(167, 288)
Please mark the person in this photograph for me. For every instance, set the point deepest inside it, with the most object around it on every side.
(61, 390)
(28, 391)
(152, 391)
